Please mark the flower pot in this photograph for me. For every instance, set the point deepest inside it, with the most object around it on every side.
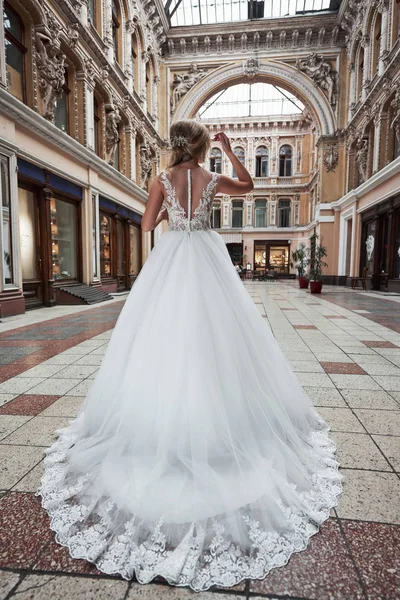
(303, 283)
(315, 287)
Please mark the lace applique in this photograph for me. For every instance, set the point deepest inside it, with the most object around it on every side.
(202, 554)
(177, 219)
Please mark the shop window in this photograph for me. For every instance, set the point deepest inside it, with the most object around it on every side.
(279, 259)
(105, 245)
(284, 213)
(369, 245)
(260, 213)
(61, 107)
(116, 30)
(216, 160)
(134, 249)
(260, 256)
(237, 213)
(63, 239)
(15, 51)
(262, 162)
(216, 216)
(94, 237)
(6, 222)
(239, 153)
(121, 247)
(285, 161)
(27, 224)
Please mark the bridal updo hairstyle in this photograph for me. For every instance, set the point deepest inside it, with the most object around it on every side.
(189, 139)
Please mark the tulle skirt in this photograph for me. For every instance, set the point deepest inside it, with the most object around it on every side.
(196, 455)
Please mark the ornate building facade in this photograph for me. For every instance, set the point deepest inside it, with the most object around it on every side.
(89, 88)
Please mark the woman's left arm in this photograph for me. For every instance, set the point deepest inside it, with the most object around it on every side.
(153, 215)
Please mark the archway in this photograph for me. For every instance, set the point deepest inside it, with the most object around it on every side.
(281, 74)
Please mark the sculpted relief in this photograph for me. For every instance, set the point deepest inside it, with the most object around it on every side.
(183, 82)
(322, 74)
(50, 62)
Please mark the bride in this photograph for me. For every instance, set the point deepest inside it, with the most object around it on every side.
(196, 456)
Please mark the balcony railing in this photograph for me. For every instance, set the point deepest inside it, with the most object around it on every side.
(260, 182)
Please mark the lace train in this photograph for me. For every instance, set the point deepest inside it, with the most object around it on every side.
(198, 554)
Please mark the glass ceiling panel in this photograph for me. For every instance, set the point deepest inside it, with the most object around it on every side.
(197, 12)
(250, 100)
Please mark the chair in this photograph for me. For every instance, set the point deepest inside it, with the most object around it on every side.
(362, 279)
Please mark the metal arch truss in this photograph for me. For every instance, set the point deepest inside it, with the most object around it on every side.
(202, 12)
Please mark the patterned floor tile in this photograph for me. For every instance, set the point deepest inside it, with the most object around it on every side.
(164, 592)
(304, 366)
(19, 385)
(379, 369)
(8, 581)
(376, 548)
(45, 587)
(6, 398)
(42, 370)
(39, 431)
(25, 530)
(27, 404)
(390, 446)
(90, 359)
(384, 422)
(15, 462)
(325, 397)
(56, 558)
(388, 382)
(304, 327)
(354, 382)
(76, 372)
(319, 380)
(66, 406)
(82, 389)
(345, 368)
(31, 481)
(10, 423)
(376, 399)
(54, 387)
(378, 344)
(358, 451)
(341, 419)
(324, 570)
(370, 496)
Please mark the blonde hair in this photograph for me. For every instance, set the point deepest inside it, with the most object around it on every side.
(189, 139)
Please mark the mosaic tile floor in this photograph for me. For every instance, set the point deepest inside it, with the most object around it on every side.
(345, 349)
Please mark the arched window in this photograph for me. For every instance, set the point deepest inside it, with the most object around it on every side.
(376, 45)
(262, 161)
(216, 215)
(239, 152)
(216, 160)
(285, 161)
(237, 213)
(97, 130)
(396, 21)
(284, 213)
(116, 31)
(15, 52)
(61, 110)
(360, 73)
(260, 213)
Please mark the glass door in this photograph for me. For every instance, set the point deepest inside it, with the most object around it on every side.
(105, 246)
(64, 243)
(121, 262)
(31, 263)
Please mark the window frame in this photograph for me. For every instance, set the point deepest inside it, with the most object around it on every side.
(287, 159)
(19, 45)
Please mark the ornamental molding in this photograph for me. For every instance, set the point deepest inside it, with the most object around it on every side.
(47, 131)
(331, 158)
(291, 78)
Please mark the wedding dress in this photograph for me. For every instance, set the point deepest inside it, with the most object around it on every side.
(196, 456)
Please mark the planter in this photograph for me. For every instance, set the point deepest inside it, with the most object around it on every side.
(315, 287)
(303, 283)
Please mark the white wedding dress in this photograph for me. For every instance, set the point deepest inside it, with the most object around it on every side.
(196, 456)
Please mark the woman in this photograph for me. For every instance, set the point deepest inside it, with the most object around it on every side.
(196, 455)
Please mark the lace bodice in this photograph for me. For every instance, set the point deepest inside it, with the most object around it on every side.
(190, 220)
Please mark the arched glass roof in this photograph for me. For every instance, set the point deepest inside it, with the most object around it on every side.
(198, 12)
(250, 100)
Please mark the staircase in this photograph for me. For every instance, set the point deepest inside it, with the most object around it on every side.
(81, 293)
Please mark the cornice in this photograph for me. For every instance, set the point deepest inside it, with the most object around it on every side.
(36, 124)
(388, 172)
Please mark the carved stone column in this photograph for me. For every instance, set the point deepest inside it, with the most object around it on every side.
(248, 211)
(296, 209)
(128, 66)
(108, 38)
(366, 43)
(132, 151)
(352, 90)
(87, 79)
(377, 143)
(226, 206)
(384, 36)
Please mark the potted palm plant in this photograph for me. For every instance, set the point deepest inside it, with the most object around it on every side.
(299, 260)
(316, 254)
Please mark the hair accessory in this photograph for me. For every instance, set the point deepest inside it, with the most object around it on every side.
(178, 141)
